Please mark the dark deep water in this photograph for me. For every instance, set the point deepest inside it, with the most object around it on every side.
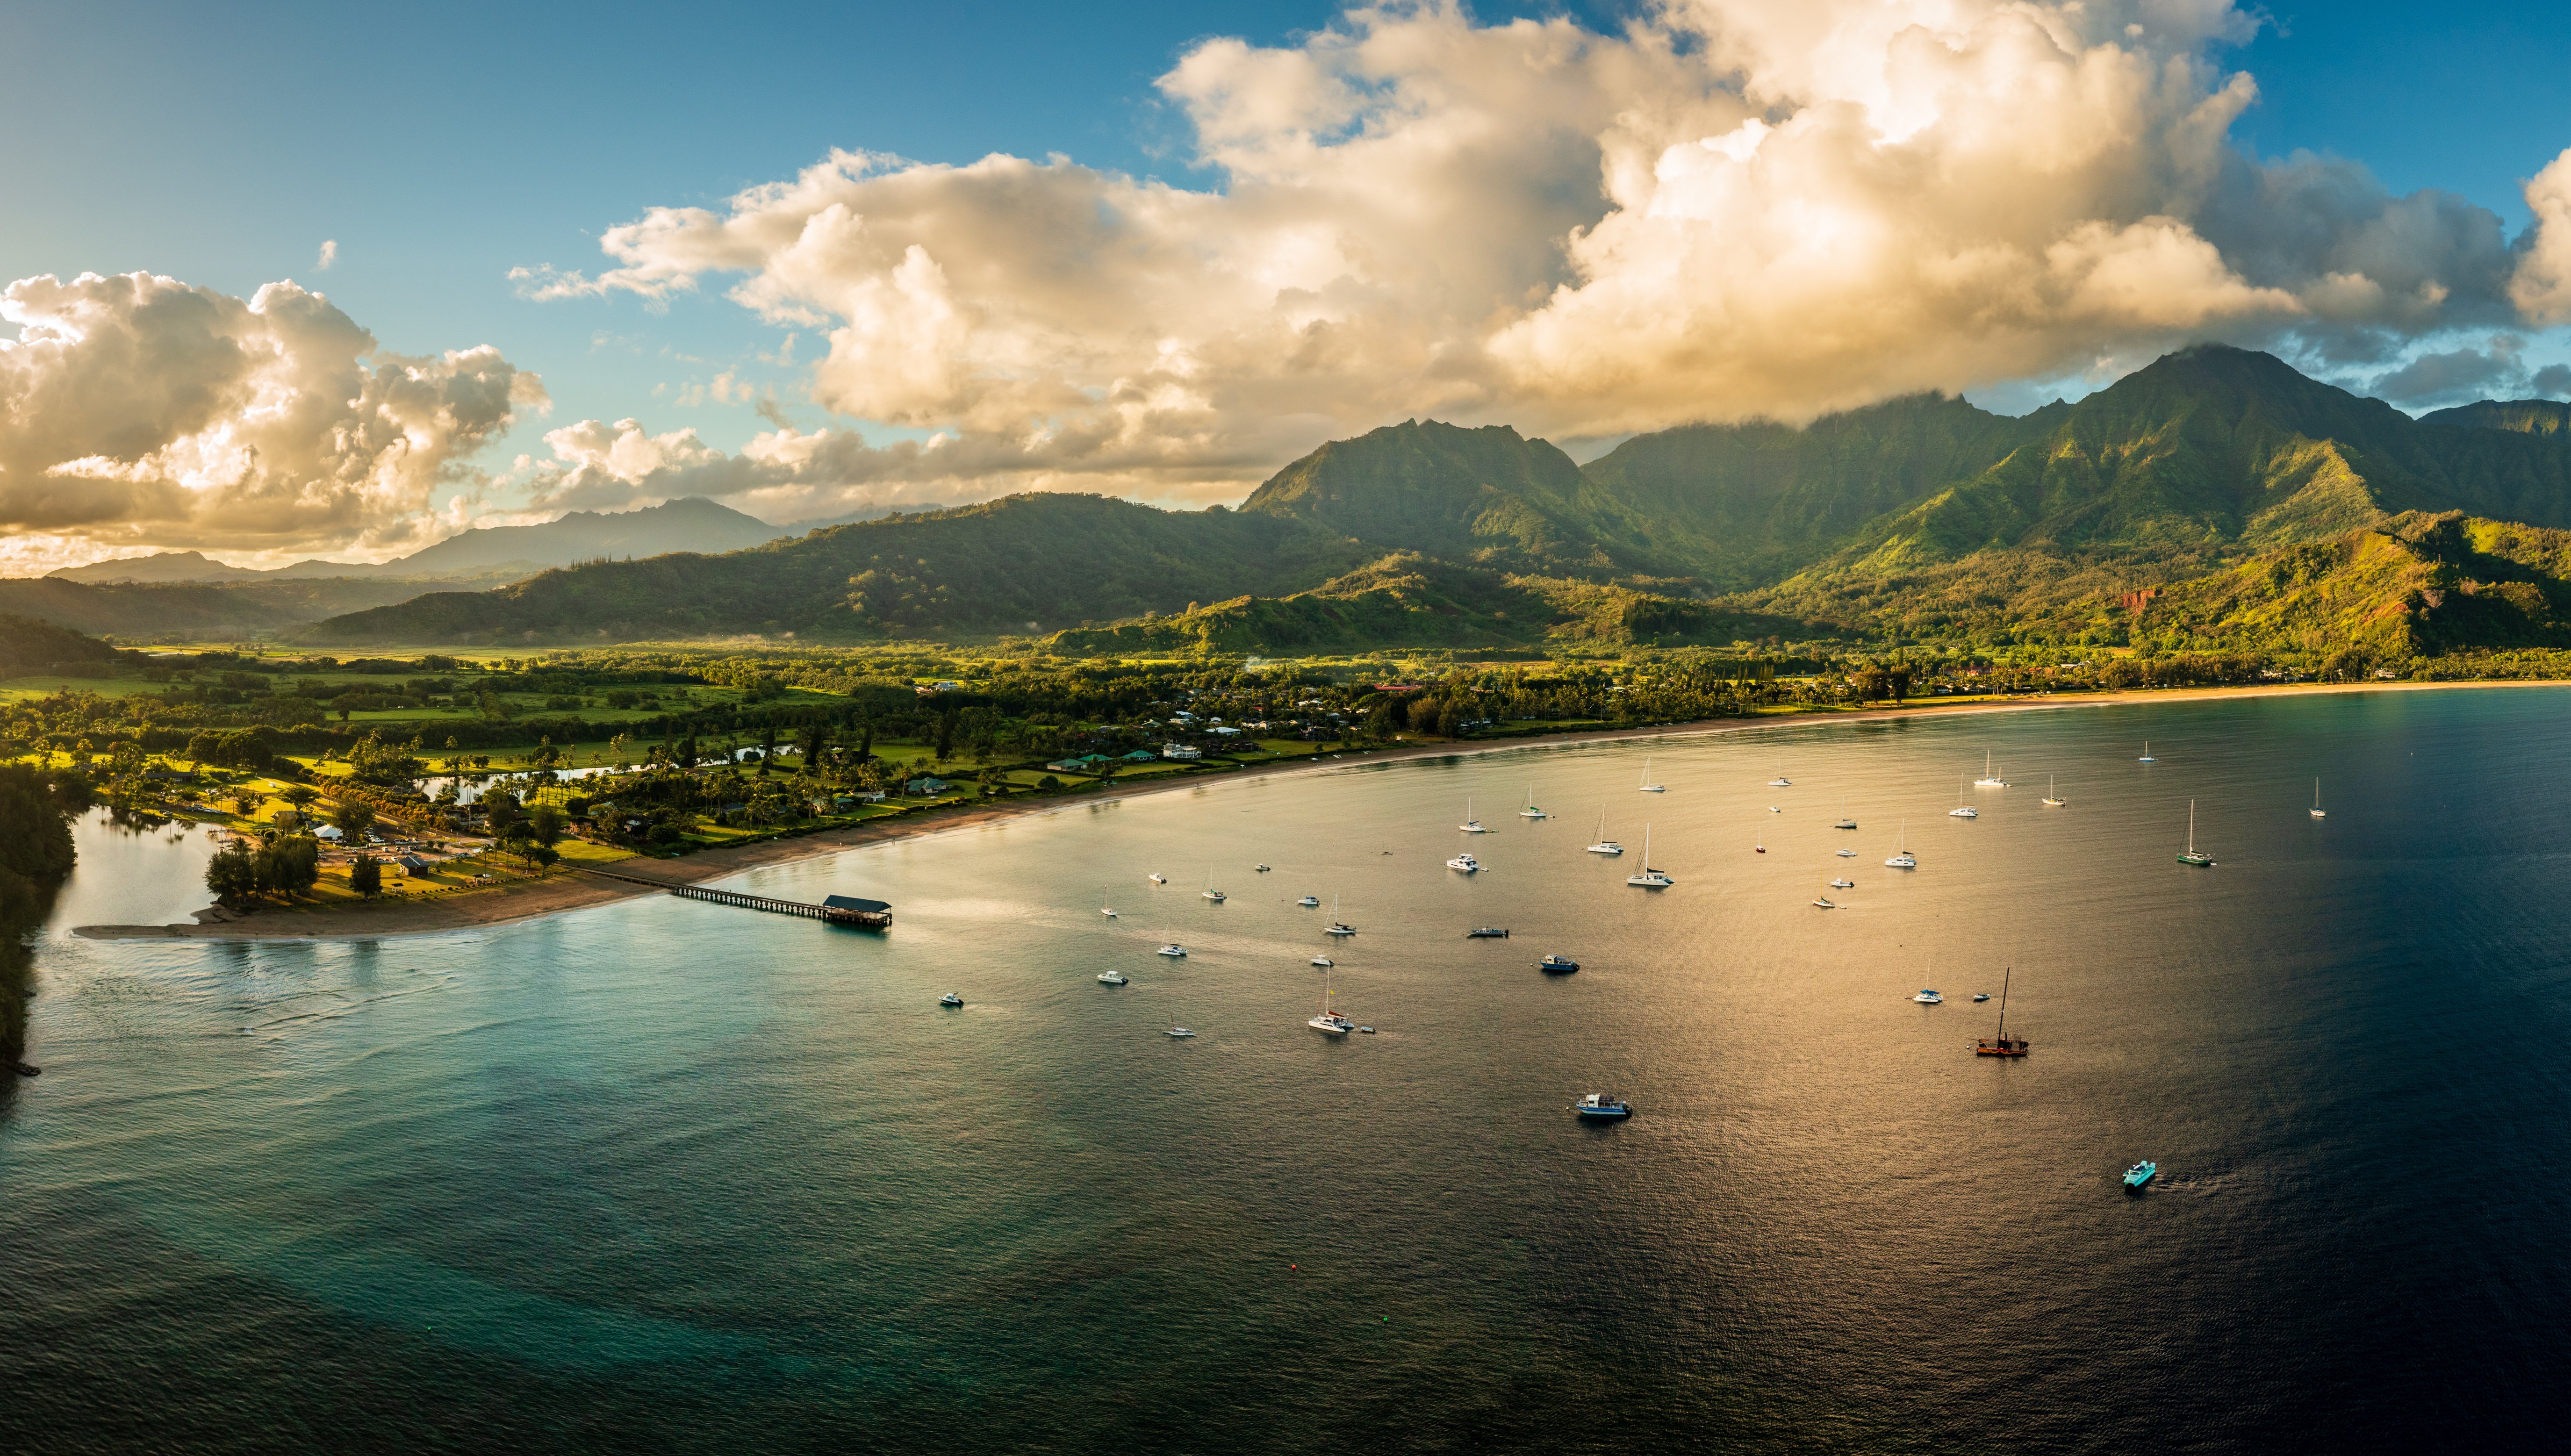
(671, 1177)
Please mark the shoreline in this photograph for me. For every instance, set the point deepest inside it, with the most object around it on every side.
(574, 889)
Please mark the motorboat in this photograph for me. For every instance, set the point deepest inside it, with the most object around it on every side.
(1309, 903)
(1365, 1031)
(1466, 862)
(1325, 962)
(1929, 998)
(1981, 996)
(950, 999)
(1174, 950)
(1558, 964)
(1258, 869)
(1826, 902)
(1605, 846)
(1650, 878)
(1648, 785)
(1180, 1032)
(1155, 879)
(1847, 855)
(1842, 883)
(2141, 1174)
(1990, 776)
(1487, 932)
(1771, 808)
(1781, 780)
(1111, 978)
(2193, 856)
(1598, 1107)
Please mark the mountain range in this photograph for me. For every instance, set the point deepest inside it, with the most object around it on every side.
(2217, 496)
(690, 524)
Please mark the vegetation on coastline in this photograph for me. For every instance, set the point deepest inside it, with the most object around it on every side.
(36, 807)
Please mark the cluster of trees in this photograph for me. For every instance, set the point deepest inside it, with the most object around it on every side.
(279, 864)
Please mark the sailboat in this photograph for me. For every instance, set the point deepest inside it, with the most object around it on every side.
(1648, 785)
(1901, 857)
(2317, 811)
(1102, 903)
(2000, 1045)
(1329, 1023)
(2147, 754)
(1338, 925)
(1530, 812)
(2052, 800)
(2205, 861)
(1990, 777)
(1210, 892)
(1844, 821)
(1962, 810)
(1471, 825)
(1605, 846)
(1650, 878)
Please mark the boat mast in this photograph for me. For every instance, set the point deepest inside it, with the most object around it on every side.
(2005, 973)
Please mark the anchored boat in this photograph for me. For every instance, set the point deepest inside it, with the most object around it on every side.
(2000, 1045)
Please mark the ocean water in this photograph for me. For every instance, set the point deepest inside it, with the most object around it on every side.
(670, 1176)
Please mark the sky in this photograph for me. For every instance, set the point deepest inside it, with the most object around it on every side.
(366, 276)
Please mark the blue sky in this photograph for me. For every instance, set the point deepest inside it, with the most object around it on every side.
(442, 147)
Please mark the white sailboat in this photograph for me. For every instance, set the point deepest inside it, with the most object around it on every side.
(1962, 810)
(1781, 780)
(1530, 812)
(1650, 878)
(2202, 861)
(1648, 785)
(2317, 811)
(2147, 754)
(1990, 776)
(1471, 825)
(1339, 926)
(1102, 903)
(1210, 892)
(2052, 800)
(1330, 1022)
(1844, 821)
(1901, 858)
(1605, 846)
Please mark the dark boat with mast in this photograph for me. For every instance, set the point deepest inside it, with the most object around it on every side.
(2000, 1045)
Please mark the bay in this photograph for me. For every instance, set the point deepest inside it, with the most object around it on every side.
(666, 1176)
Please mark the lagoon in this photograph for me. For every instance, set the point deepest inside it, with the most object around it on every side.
(664, 1175)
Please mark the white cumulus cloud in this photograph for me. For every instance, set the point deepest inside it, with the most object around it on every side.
(136, 411)
(1728, 208)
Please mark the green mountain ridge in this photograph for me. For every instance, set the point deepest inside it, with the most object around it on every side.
(1924, 515)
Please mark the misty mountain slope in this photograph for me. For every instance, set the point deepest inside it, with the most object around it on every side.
(997, 567)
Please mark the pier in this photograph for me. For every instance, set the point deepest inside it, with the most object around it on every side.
(835, 911)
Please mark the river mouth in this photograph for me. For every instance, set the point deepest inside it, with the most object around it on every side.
(681, 1176)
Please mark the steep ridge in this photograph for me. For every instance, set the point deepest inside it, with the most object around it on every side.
(1488, 495)
(2524, 416)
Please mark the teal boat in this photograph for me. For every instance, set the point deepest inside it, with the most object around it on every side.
(2139, 1175)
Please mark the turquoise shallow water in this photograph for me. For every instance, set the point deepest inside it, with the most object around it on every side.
(664, 1175)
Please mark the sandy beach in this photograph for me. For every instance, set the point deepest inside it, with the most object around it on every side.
(567, 888)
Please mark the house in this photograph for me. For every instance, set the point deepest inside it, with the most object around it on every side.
(327, 833)
(1066, 766)
(1179, 753)
(1224, 732)
(924, 787)
(412, 864)
(872, 796)
(1142, 755)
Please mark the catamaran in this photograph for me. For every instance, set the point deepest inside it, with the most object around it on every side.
(2205, 861)
(1962, 810)
(1471, 825)
(1605, 846)
(1530, 812)
(2052, 798)
(2000, 1045)
(1990, 777)
(1650, 878)
(1901, 858)
(1329, 1023)
(1648, 785)
(2317, 811)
